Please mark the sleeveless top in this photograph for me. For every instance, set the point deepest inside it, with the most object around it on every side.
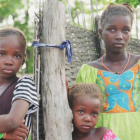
(6, 98)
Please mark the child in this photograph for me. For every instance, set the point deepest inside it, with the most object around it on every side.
(85, 102)
(18, 97)
(117, 74)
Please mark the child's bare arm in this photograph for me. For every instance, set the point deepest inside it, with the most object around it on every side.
(11, 121)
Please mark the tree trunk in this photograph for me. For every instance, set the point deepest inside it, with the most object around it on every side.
(56, 113)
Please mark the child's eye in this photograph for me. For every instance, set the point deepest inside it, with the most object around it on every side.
(126, 30)
(18, 56)
(2, 54)
(80, 111)
(111, 29)
(94, 114)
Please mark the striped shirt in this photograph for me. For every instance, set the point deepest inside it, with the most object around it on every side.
(26, 90)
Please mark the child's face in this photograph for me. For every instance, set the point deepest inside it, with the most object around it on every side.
(116, 33)
(85, 113)
(11, 56)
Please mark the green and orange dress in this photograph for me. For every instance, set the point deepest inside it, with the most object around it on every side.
(121, 107)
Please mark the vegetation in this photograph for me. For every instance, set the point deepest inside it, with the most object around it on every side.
(134, 3)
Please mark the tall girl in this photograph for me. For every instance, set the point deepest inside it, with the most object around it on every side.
(85, 102)
(18, 97)
(117, 74)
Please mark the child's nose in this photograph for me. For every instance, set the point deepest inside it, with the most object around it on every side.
(88, 118)
(119, 35)
(8, 61)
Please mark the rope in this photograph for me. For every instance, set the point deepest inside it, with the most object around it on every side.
(65, 44)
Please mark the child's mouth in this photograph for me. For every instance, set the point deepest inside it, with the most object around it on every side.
(86, 126)
(118, 45)
(8, 71)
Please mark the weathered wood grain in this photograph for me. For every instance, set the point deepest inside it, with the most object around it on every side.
(56, 112)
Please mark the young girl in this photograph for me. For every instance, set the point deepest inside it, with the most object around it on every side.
(18, 97)
(117, 73)
(85, 102)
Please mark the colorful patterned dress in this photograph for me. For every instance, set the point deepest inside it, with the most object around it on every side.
(121, 107)
(110, 136)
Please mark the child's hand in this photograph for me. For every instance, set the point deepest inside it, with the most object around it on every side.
(18, 134)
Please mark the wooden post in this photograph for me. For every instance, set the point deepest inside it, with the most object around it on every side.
(56, 113)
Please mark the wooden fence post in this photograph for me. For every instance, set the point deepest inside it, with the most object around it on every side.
(56, 113)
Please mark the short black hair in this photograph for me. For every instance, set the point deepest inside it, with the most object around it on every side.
(8, 31)
(81, 89)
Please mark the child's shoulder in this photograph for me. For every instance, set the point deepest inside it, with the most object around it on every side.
(134, 57)
(106, 133)
(97, 63)
(25, 80)
(104, 129)
(101, 131)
